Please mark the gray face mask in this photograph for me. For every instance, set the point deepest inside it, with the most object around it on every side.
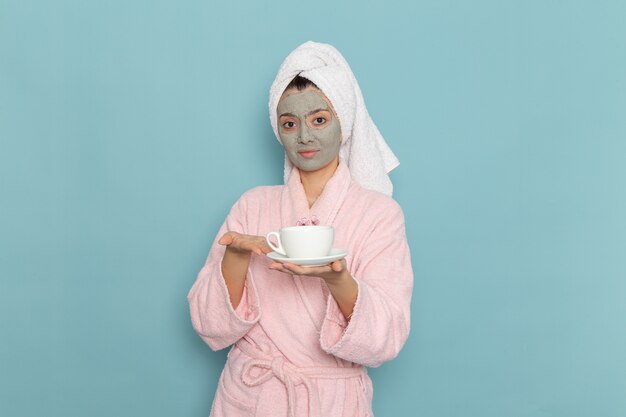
(308, 129)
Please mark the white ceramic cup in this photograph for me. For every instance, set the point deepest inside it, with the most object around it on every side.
(303, 241)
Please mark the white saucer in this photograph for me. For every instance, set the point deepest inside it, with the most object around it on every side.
(335, 254)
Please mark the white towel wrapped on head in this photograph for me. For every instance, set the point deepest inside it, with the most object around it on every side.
(363, 148)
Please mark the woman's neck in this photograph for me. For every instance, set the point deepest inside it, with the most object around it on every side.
(315, 181)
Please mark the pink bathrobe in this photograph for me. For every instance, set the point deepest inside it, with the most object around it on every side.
(294, 353)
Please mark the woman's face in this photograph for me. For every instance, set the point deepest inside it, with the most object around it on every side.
(308, 128)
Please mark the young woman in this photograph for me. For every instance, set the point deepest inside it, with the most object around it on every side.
(302, 337)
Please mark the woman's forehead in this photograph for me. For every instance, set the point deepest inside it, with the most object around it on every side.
(316, 91)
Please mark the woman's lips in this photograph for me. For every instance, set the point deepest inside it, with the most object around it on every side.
(308, 154)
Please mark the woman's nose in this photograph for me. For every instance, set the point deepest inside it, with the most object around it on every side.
(305, 134)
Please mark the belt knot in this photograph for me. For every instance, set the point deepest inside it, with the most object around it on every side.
(267, 367)
(286, 373)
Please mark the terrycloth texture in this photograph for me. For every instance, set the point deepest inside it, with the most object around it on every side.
(364, 149)
(294, 353)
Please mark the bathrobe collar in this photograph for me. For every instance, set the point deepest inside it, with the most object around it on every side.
(295, 206)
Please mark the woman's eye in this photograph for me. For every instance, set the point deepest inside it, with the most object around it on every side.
(288, 125)
(320, 120)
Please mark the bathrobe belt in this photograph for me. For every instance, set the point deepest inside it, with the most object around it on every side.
(291, 375)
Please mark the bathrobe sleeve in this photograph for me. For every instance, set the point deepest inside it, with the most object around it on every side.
(380, 321)
(212, 314)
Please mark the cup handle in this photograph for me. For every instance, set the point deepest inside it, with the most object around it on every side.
(278, 248)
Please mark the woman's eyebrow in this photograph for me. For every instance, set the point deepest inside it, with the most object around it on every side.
(308, 114)
(315, 111)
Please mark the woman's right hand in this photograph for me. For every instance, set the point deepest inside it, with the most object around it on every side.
(245, 243)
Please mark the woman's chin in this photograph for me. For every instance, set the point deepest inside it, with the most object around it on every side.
(313, 166)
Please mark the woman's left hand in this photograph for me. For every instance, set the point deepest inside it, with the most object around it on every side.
(342, 286)
(331, 273)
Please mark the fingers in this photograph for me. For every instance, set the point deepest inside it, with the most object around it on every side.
(262, 245)
(244, 243)
(337, 266)
(295, 269)
(227, 239)
(259, 247)
(300, 270)
(279, 267)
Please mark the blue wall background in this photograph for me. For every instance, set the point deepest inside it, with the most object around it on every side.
(128, 128)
